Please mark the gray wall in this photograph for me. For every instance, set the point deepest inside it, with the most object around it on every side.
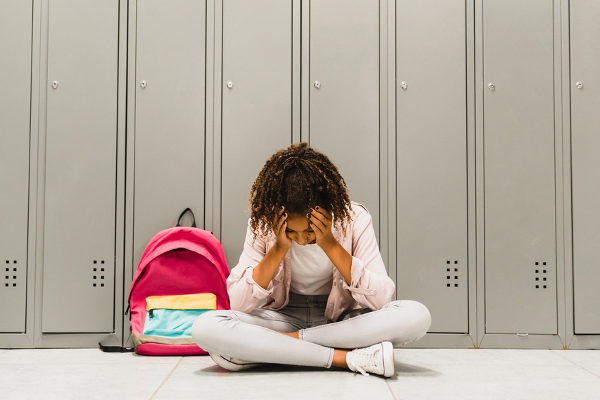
(467, 127)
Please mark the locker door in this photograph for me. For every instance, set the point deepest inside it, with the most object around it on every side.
(170, 116)
(79, 225)
(585, 142)
(257, 104)
(431, 159)
(15, 64)
(518, 123)
(344, 93)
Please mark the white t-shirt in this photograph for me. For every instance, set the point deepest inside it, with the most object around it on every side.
(312, 270)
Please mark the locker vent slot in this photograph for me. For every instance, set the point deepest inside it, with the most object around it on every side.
(98, 273)
(10, 273)
(451, 274)
(541, 275)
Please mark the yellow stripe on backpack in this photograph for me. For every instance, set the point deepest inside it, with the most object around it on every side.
(196, 301)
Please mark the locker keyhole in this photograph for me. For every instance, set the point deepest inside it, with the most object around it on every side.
(541, 274)
(98, 274)
(451, 273)
(10, 273)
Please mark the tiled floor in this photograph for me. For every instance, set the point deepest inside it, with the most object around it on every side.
(420, 374)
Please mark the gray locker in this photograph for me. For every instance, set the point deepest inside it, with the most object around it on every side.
(257, 104)
(431, 160)
(169, 116)
(585, 151)
(344, 93)
(15, 67)
(518, 136)
(80, 169)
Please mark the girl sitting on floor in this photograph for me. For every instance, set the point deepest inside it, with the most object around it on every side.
(311, 254)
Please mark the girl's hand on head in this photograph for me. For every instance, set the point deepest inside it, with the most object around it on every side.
(279, 227)
(320, 222)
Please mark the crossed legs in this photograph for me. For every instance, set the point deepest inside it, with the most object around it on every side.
(268, 336)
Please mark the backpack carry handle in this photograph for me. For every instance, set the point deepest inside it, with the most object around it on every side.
(182, 214)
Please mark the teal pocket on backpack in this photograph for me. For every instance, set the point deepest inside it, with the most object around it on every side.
(173, 316)
(170, 323)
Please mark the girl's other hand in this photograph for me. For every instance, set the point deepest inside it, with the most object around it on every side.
(279, 227)
(320, 222)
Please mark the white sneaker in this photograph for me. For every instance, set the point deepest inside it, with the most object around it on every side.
(378, 359)
(230, 363)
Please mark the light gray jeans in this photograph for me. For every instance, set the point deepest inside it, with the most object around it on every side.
(254, 337)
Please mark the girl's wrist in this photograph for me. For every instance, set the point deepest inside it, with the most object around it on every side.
(280, 249)
(328, 243)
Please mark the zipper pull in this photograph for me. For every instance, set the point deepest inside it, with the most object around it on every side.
(151, 313)
(127, 311)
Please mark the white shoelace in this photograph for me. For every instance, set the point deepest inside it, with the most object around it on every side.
(365, 358)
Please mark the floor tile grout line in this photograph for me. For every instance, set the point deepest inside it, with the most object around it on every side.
(387, 382)
(167, 378)
(574, 363)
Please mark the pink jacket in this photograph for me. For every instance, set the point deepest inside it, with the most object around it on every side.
(370, 284)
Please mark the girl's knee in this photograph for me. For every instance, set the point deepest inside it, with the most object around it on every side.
(417, 312)
(206, 329)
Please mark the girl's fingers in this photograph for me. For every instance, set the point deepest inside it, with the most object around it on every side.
(319, 216)
(315, 228)
(283, 227)
(278, 215)
(317, 223)
(321, 211)
(280, 223)
(325, 224)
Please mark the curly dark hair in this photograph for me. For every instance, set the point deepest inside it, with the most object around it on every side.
(298, 178)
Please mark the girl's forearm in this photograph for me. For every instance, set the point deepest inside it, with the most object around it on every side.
(265, 270)
(340, 258)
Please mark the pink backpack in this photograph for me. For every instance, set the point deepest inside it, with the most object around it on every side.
(181, 270)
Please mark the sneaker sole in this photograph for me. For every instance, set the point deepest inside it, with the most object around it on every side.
(387, 352)
(230, 365)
